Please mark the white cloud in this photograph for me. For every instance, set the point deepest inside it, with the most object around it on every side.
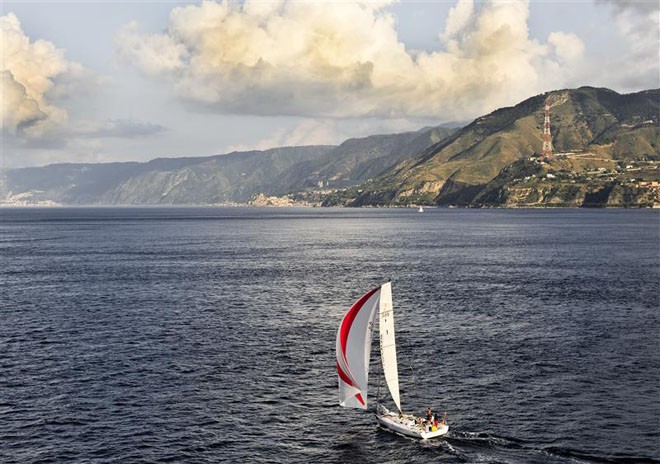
(36, 84)
(18, 108)
(329, 131)
(568, 47)
(458, 18)
(158, 52)
(306, 132)
(345, 59)
(29, 81)
(638, 24)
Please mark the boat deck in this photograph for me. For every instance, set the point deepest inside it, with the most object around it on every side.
(408, 424)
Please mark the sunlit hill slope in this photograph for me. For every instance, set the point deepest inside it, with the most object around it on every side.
(599, 138)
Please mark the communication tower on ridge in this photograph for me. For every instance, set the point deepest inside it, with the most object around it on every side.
(553, 99)
(547, 137)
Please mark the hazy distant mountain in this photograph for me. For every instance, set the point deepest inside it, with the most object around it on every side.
(203, 180)
(357, 160)
(235, 177)
(593, 130)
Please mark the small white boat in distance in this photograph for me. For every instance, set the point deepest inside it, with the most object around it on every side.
(353, 352)
(420, 210)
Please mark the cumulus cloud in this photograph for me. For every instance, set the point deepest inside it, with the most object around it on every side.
(567, 47)
(36, 80)
(30, 73)
(18, 108)
(458, 18)
(344, 59)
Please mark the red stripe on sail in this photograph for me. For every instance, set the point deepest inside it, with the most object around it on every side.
(352, 313)
(347, 380)
(343, 376)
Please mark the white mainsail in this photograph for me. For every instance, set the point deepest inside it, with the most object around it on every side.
(353, 350)
(387, 343)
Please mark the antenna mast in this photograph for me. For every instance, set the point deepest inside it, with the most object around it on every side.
(547, 137)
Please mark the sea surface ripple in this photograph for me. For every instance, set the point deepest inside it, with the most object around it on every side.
(208, 334)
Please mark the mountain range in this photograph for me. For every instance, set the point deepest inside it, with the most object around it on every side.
(601, 139)
(606, 149)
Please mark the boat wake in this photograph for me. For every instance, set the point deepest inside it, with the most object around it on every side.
(470, 446)
(590, 457)
(484, 439)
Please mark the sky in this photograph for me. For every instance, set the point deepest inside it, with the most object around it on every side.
(90, 82)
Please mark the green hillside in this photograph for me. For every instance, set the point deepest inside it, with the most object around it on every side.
(591, 129)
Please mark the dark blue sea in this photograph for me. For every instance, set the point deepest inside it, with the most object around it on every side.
(202, 335)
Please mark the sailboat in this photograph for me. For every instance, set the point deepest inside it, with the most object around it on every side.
(353, 354)
(420, 210)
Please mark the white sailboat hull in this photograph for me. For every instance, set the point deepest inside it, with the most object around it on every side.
(405, 425)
